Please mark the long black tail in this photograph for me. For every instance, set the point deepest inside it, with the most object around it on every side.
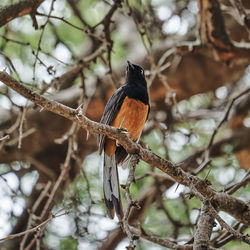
(111, 187)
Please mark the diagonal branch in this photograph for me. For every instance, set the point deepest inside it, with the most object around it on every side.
(34, 229)
(12, 11)
(131, 147)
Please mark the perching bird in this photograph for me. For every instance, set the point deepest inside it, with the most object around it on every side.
(128, 109)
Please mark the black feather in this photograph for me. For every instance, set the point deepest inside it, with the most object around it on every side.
(110, 111)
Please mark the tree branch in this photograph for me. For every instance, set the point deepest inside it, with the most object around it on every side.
(204, 230)
(131, 177)
(34, 229)
(131, 147)
(235, 207)
(157, 240)
(12, 11)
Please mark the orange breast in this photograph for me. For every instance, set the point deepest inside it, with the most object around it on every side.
(132, 117)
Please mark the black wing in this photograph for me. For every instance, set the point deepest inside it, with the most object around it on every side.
(110, 111)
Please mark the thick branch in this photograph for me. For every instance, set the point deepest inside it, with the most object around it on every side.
(12, 11)
(131, 147)
(237, 208)
(204, 230)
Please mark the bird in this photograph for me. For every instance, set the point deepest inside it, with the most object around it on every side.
(128, 109)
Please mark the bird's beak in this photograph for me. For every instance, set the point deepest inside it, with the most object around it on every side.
(130, 65)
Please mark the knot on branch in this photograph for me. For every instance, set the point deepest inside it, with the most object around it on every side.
(135, 203)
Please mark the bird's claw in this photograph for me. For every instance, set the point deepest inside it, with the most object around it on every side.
(123, 130)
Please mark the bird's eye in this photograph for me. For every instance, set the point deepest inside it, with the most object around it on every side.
(142, 71)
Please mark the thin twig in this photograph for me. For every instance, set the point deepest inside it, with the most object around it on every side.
(20, 130)
(41, 37)
(33, 210)
(65, 169)
(206, 153)
(6, 137)
(13, 236)
(236, 186)
(224, 238)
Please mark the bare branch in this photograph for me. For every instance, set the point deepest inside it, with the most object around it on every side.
(207, 159)
(34, 229)
(12, 11)
(146, 155)
(204, 229)
(216, 216)
(6, 137)
(242, 183)
(223, 224)
(159, 241)
(131, 203)
(32, 213)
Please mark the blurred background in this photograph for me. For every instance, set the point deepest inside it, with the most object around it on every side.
(196, 57)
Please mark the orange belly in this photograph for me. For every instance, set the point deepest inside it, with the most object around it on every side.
(132, 117)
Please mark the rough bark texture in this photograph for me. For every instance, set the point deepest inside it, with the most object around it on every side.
(204, 229)
(12, 11)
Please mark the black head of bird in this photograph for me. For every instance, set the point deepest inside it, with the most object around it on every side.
(135, 74)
